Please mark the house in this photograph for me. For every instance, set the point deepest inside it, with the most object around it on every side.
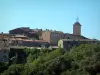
(31, 33)
(69, 43)
(29, 43)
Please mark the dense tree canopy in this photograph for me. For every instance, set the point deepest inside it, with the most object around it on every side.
(82, 60)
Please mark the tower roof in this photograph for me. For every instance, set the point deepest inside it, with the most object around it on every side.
(77, 23)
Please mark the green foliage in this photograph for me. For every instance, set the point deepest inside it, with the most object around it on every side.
(82, 60)
(14, 70)
(3, 66)
(75, 72)
(87, 57)
(54, 54)
(31, 54)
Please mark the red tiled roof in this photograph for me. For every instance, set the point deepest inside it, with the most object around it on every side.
(40, 41)
(76, 35)
(26, 40)
(29, 40)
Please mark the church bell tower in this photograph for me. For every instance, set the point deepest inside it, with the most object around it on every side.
(77, 28)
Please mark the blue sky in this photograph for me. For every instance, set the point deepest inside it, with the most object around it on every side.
(51, 14)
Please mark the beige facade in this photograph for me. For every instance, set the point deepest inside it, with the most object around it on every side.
(4, 35)
(46, 36)
(52, 36)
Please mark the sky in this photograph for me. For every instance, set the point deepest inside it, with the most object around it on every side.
(51, 14)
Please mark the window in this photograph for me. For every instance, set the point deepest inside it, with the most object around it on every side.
(68, 37)
(68, 42)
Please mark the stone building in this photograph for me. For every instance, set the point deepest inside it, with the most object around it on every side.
(5, 35)
(77, 28)
(10, 36)
(74, 39)
(29, 43)
(69, 43)
(4, 50)
(4, 55)
(52, 36)
(73, 36)
(31, 33)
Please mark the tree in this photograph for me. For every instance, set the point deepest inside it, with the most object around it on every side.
(3, 66)
(14, 70)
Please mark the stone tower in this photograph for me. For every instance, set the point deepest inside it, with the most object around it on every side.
(77, 28)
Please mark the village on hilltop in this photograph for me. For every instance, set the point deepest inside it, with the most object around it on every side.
(24, 37)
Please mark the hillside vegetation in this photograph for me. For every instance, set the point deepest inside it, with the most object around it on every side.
(82, 60)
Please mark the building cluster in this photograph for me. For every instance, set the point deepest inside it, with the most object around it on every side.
(38, 38)
(50, 36)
